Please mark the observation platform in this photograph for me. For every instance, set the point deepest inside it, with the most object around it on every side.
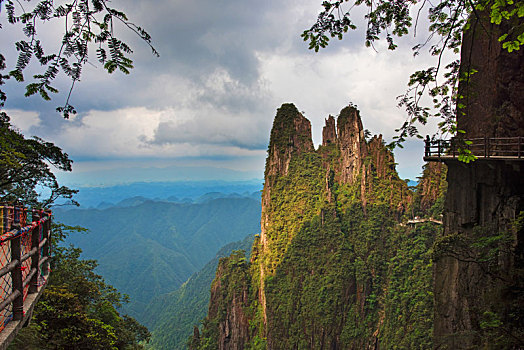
(484, 148)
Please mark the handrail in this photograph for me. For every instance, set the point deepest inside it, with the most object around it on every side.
(480, 147)
(24, 263)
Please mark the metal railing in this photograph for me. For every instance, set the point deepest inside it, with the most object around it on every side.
(24, 259)
(482, 147)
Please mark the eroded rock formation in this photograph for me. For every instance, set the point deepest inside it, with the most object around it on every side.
(329, 133)
(352, 144)
(231, 288)
(302, 184)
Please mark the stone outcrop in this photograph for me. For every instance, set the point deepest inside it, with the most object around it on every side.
(381, 157)
(352, 144)
(307, 194)
(329, 133)
(431, 184)
(291, 134)
(291, 137)
(230, 292)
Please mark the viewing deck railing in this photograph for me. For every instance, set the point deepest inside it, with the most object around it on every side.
(24, 266)
(485, 147)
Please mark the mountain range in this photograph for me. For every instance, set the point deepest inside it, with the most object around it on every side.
(146, 248)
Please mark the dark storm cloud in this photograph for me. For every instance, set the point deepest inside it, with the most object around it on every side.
(200, 36)
(195, 39)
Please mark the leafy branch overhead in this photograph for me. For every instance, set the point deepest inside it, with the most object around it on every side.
(447, 22)
(86, 23)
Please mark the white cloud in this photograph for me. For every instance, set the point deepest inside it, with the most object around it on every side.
(130, 132)
(25, 121)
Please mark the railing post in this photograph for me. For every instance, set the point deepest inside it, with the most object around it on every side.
(23, 216)
(16, 274)
(438, 148)
(35, 259)
(5, 215)
(45, 248)
(485, 147)
(3, 219)
(427, 150)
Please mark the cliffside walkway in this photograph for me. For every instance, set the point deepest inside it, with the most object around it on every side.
(24, 267)
(496, 148)
(419, 221)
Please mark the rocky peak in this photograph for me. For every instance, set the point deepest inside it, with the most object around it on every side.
(329, 134)
(351, 142)
(291, 134)
(381, 157)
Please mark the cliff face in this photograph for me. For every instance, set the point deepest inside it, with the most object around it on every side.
(329, 134)
(229, 325)
(321, 273)
(479, 265)
(290, 138)
(478, 260)
(352, 145)
(494, 94)
(431, 190)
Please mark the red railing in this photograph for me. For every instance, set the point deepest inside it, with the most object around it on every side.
(24, 258)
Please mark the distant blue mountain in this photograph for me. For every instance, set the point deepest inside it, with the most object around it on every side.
(179, 192)
(146, 248)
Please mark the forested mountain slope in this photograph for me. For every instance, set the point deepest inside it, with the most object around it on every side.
(171, 317)
(333, 267)
(152, 248)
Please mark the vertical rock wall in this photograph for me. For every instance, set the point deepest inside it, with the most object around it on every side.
(352, 144)
(478, 260)
(290, 136)
(329, 134)
(318, 266)
(494, 93)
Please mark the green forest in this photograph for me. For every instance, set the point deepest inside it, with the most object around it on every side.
(154, 247)
(339, 274)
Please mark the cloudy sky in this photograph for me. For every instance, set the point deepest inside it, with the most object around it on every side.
(204, 108)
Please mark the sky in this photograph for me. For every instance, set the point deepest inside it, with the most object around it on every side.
(204, 109)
